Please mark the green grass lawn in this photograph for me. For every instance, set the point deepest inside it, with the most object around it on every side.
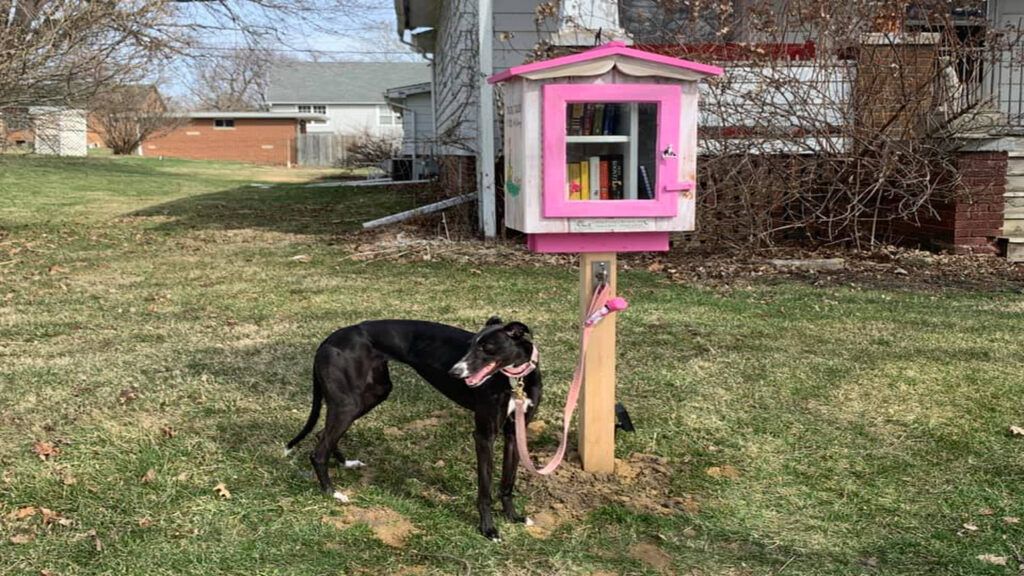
(157, 331)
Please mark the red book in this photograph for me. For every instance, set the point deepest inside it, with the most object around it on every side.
(605, 181)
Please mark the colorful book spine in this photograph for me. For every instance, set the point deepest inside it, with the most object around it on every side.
(575, 185)
(584, 168)
(617, 185)
(594, 168)
(576, 119)
(605, 179)
(647, 193)
(598, 125)
(588, 119)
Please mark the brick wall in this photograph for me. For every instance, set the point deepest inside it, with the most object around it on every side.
(256, 140)
(971, 223)
(894, 89)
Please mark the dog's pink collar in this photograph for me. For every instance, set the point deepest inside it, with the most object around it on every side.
(524, 368)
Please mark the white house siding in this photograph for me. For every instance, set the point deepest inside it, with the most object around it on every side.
(809, 99)
(421, 143)
(351, 119)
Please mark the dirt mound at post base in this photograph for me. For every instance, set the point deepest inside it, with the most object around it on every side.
(640, 482)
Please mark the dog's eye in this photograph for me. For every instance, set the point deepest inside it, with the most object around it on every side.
(488, 348)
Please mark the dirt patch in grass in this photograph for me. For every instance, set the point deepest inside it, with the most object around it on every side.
(640, 482)
(388, 526)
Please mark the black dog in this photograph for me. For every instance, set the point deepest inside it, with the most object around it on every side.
(350, 375)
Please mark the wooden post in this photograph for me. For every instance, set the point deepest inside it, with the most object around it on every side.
(597, 410)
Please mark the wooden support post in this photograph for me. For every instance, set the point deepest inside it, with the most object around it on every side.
(597, 410)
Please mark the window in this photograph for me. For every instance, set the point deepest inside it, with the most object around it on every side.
(319, 109)
(387, 117)
(304, 109)
(312, 109)
(608, 150)
(224, 123)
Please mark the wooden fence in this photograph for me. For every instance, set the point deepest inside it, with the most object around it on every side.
(323, 149)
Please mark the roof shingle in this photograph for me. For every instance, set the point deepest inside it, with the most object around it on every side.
(341, 82)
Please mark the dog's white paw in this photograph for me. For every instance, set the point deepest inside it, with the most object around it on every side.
(529, 521)
(354, 464)
(287, 452)
(340, 497)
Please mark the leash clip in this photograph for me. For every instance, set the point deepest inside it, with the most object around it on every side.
(518, 391)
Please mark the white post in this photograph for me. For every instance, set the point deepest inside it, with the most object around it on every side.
(485, 126)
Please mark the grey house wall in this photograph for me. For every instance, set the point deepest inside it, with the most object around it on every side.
(455, 63)
(419, 137)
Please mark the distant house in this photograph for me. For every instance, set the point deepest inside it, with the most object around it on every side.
(415, 103)
(256, 137)
(350, 95)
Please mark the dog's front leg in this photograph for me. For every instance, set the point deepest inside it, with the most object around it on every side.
(483, 437)
(509, 466)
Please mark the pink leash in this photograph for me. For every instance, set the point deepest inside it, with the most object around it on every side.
(600, 306)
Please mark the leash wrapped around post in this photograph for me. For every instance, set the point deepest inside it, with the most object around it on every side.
(600, 306)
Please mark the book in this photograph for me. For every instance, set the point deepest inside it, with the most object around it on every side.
(616, 185)
(611, 112)
(584, 168)
(573, 177)
(588, 119)
(575, 119)
(594, 169)
(646, 192)
(598, 124)
(604, 179)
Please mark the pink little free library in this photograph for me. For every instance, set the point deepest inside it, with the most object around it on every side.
(601, 149)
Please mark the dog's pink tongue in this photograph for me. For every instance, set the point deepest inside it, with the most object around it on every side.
(479, 376)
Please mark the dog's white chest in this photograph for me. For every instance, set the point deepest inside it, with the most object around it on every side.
(512, 405)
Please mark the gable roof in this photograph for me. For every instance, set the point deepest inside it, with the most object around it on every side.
(341, 82)
(613, 54)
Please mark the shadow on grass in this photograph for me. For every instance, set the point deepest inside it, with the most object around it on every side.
(289, 208)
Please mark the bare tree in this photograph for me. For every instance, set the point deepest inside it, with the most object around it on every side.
(60, 52)
(236, 80)
(126, 116)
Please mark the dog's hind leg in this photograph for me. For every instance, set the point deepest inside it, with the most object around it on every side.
(340, 415)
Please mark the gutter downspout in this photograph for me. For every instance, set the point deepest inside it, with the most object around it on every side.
(485, 125)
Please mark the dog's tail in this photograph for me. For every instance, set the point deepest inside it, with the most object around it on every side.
(314, 414)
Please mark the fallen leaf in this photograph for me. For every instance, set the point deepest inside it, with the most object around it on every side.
(1016, 431)
(22, 538)
(726, 471)
(986, 512)
(536, 428)
(26, 512)
(1011, 520)
(148, 477)
(45, 450)
(55, 269)
(222, 490)
(301, 258)
(47, 573)
(181, 477)
(168, 432)
(993, 559)
(95, 540)
(145, 522)
(128, 395)
(970, 527)
(655, 266)
(439, 464)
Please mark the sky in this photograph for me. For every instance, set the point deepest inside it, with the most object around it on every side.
(366, 34)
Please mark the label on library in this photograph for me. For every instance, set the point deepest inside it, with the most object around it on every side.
(612, 225)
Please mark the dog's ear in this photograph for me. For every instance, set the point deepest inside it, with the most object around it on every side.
(492, 321)
(516, 330)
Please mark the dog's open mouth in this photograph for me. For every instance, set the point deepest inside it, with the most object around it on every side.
(478, 378)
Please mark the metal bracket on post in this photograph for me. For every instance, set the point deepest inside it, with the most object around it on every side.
(600, 271)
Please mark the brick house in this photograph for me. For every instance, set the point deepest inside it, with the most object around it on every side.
(256, 137)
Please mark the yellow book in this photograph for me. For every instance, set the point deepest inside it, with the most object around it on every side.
(573, 177)
(584, 168)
